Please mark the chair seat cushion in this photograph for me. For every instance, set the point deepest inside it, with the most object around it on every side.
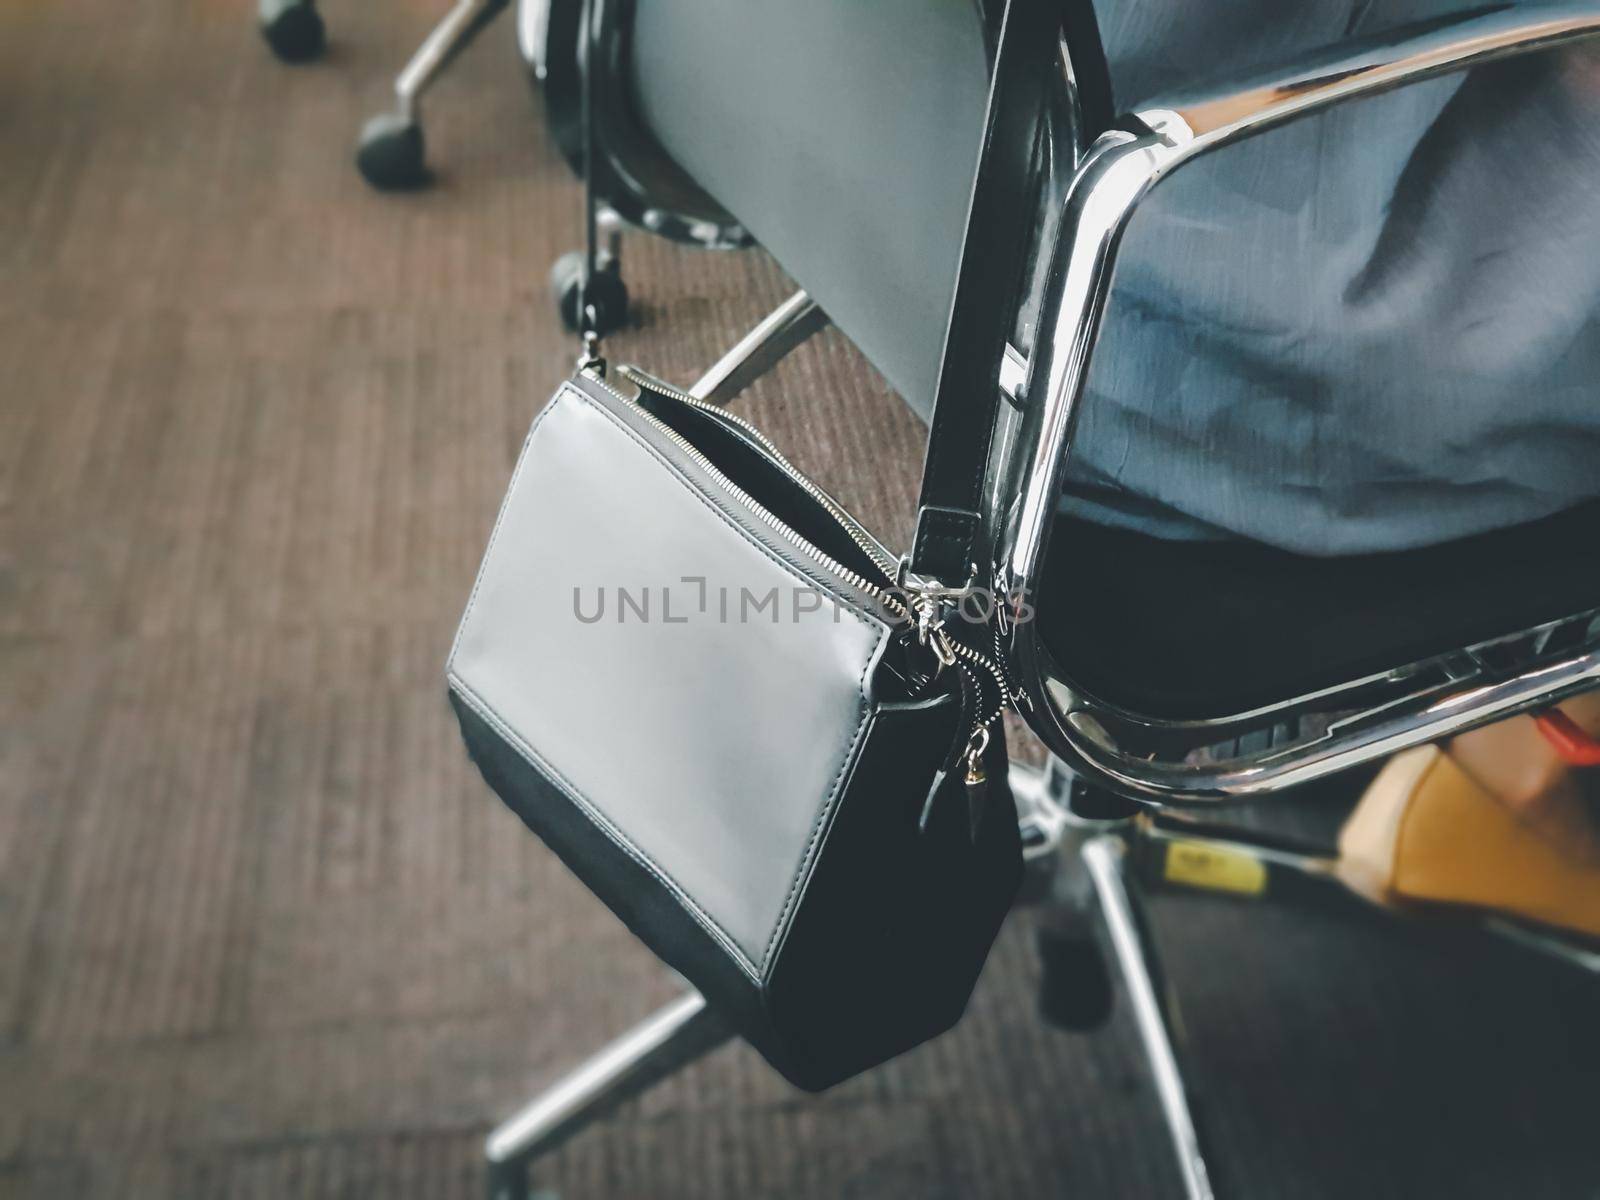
(1209, 629)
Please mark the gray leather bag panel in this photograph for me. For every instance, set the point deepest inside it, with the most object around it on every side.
(844, 135)
(553, 655)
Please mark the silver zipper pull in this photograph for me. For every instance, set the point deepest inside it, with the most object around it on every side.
(589, 358)
(930, 628)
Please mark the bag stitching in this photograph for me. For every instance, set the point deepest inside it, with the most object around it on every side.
(530, 756)
(600, 821)
(500, 517)
(803, 870)
(595, 816)
(861, 685)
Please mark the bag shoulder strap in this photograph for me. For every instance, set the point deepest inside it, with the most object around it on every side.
(993, 254)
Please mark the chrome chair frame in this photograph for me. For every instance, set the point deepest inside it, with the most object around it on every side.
(1153, 758)
(1106, 857)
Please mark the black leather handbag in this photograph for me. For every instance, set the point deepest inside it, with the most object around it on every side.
(772, 748)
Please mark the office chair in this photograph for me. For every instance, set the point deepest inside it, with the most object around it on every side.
(391, 150)
(642, 186)
(1155, 713)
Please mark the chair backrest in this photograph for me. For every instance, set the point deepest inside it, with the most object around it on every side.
(843, 135)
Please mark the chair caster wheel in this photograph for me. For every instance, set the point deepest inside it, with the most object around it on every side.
(1075, 991)
(390, 154)
(293, 28)
(607, 292)
(509, 1181)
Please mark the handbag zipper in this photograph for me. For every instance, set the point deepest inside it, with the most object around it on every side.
(868, 544)
(946, 648)
(882, 595)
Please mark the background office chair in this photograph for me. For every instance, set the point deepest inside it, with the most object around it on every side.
(640, 183)
(391, 152)
(293, 28)
(1149, 710)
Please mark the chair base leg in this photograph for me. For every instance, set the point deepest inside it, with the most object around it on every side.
(657, 1047)
(390, 155)
(1128, 933)
(790, 325)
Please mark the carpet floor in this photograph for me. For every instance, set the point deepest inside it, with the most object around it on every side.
(263, 931)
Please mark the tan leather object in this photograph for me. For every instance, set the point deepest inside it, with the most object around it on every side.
(1427, 832)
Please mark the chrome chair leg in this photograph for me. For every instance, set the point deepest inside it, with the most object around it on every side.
(657, 1047)
(781, 331)
(449, 38)
(391, 153)
(1105, 857)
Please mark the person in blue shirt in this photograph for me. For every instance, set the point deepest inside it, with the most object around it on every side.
(1370, 330)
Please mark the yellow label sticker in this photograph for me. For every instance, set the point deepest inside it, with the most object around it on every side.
(1201, 865)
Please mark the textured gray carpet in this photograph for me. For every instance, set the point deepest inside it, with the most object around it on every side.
(263, 932)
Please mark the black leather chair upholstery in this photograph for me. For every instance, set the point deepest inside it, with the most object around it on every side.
(843, 136)
(1208, 629)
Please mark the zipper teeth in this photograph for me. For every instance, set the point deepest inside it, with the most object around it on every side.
(888, 599)
(1014, 696)
(869, 545)
(962, 650)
